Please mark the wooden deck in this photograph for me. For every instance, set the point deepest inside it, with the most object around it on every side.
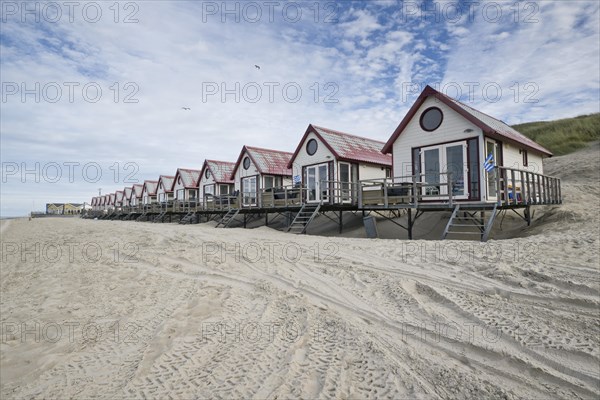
(515, 189)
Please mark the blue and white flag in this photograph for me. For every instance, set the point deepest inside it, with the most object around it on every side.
(488, 164)
(297, 179)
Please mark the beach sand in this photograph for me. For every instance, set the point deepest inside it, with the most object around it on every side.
(119, 309)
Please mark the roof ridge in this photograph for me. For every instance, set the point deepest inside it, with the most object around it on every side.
(271, 150)
(348, 134)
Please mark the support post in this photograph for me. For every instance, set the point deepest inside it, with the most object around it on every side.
(528, 215)
(341, 223)
(245, 219)
(410, 224)
(266, 219)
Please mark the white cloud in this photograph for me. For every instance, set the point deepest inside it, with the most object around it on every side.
(171, 55)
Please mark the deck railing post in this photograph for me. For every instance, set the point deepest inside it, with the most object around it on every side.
(514, 186)
(360, 198)
(385, 193)
(415, 194)
(522, 183)
(498, 190)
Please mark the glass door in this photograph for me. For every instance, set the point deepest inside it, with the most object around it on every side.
(316, 183)
(249, 191)
(491, 149)
(440, 163)
(345, 183)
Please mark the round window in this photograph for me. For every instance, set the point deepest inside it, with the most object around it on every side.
(207, 173)
(431, 119)
(311, 147)
(246, 163)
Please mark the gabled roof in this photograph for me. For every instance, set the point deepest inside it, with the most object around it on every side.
(111, 199)
(167, 182)
(150, 187)
(220, 170)
(137, 190)
(490, 126)
(268, 162)
(128, 191)
(347, 147)
(119, 195)
(189, 177)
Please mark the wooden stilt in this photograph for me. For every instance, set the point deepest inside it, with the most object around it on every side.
(341, 221)
(410, 224)
(245, 218)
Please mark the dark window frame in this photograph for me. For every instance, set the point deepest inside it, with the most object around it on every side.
(423, 115)
(313, 140)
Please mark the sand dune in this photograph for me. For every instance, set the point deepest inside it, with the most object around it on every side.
(138, 310)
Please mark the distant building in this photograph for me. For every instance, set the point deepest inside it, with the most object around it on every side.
(64, 208)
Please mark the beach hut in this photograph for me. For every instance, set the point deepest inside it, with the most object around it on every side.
(185, 185)
(215, 180)
(330, 163)
(258, 170)
(135, 199)
(451, 148)
(149, 192)
(119, 195)
(112, 200)
(127, 197)
(164, 191)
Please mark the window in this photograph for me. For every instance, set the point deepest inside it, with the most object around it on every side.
(525, 161)
(311, 147)
(207, 173)
(388, 172)
(224, 189)
(246, 163)
(431, 119)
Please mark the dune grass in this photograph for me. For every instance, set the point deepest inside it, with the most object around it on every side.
(563, 136)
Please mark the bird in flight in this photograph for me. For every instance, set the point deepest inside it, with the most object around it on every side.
(256, 66)
(185, 108)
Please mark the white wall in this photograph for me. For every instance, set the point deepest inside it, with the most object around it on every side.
(206, 181)
(513, 159)
(322, 155)
(241, 172)
(452, 128)
(367, 171)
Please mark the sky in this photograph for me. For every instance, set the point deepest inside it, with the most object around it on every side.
(93, 93)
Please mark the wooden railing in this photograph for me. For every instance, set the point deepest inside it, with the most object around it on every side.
(522, 187)
(407, 190)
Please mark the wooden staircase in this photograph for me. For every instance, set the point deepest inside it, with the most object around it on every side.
(307, 213)
(143, 216)
(227, 218)
(160, 217)
(465, 222)
(188, 218)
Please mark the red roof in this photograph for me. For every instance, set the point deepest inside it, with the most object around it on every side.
(268, 162)
(490, 126)
(220, 170)
(347, 147)
(189, 178)
(167, 182)
(150, 187)
(137, 190)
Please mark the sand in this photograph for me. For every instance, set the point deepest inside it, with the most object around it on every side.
(118, 309)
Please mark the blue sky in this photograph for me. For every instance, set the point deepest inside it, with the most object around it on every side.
(351, 66)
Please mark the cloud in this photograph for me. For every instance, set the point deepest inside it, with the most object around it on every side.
(350, 61)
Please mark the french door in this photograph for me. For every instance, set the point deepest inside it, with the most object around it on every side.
(249, 190)
(491, 148)
(440, 163)
(346, 180)
(316, 182)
